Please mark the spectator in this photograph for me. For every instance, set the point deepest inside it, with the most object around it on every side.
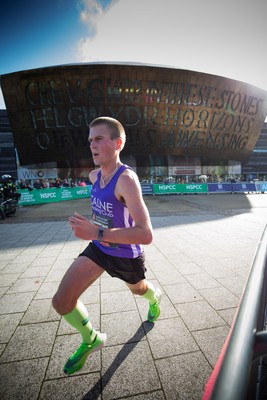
(66, 183)
(8, 188)
(45, 184)
(81, 183)
(58, 183)
(22, 184)
(37, 184)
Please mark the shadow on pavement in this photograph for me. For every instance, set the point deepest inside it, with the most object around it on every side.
(128, 347)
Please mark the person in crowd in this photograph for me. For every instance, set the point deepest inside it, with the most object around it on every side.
(45, 184)
(66, 183)
(8, 188)
(58, 183)
(52, 183)
(22, 184)
(37, 184)
(81, 183)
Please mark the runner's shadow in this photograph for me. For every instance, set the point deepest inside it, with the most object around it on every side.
(97, 389)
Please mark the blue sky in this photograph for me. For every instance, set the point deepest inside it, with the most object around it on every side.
(36, 33)
(222, 38)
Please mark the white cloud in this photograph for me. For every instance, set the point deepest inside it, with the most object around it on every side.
(90, 14)
(222, 38)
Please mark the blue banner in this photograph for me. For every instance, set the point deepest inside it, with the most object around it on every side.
(147, 188)
(220, 187)
(244, 187)
(261, 186)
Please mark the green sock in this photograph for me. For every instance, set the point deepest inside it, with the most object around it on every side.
(79, 319)
(150, 294)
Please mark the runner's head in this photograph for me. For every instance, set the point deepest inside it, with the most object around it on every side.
(115, 127)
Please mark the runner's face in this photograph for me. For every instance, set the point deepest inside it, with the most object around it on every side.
(103, 148)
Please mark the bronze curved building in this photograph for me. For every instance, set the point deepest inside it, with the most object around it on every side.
(176, 121)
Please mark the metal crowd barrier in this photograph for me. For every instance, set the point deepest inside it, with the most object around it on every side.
(238, 375)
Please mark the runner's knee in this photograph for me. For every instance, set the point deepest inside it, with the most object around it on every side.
(139, 288)
(63, 306)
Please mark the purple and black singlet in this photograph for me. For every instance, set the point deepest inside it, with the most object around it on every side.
(109, 212)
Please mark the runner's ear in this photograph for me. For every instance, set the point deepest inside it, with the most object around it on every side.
(119, 144)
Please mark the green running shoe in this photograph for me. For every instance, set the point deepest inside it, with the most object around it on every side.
(78, 358)
(154, 309)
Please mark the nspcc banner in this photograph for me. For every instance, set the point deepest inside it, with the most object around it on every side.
(38, 196)
(175, 188)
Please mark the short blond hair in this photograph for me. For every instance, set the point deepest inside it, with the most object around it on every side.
(115, 127)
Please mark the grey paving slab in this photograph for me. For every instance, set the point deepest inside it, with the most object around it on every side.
(200, 259)
(211, 342)
(14, 268)
(61, 264)
(117, 301)
(47, 290)
(182, 293)
(228, 315)
(181, 338)
(22, 380)
(40, 311)
(184, 376)
(235, 284)
(199, 315)
(71, 388)
(3, 290)
(8, 325)
(92, 296)
(2, 348)
(186, 266)
(220, 298)
(202, 281)
(218, 269)
(3, 263)
(14, 303)
(169, 276)
(43, 260)
(26, 285)
(33, 272)
(109, 284)
(8, 279)
(55, 275)
(128, 370)
(23, 258)
(153, 395)
(130, 331)
(30, 341)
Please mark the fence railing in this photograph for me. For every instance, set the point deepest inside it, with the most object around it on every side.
(236, 375)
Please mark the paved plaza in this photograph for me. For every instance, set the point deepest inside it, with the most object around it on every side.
(200, 259)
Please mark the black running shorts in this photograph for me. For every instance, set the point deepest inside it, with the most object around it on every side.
(130, 270)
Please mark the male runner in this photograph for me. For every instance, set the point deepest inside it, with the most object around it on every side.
(119, 228)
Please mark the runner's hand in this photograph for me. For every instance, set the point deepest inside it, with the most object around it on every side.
(82, 227)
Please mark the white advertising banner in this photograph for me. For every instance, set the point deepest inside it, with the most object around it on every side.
(38, 171)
